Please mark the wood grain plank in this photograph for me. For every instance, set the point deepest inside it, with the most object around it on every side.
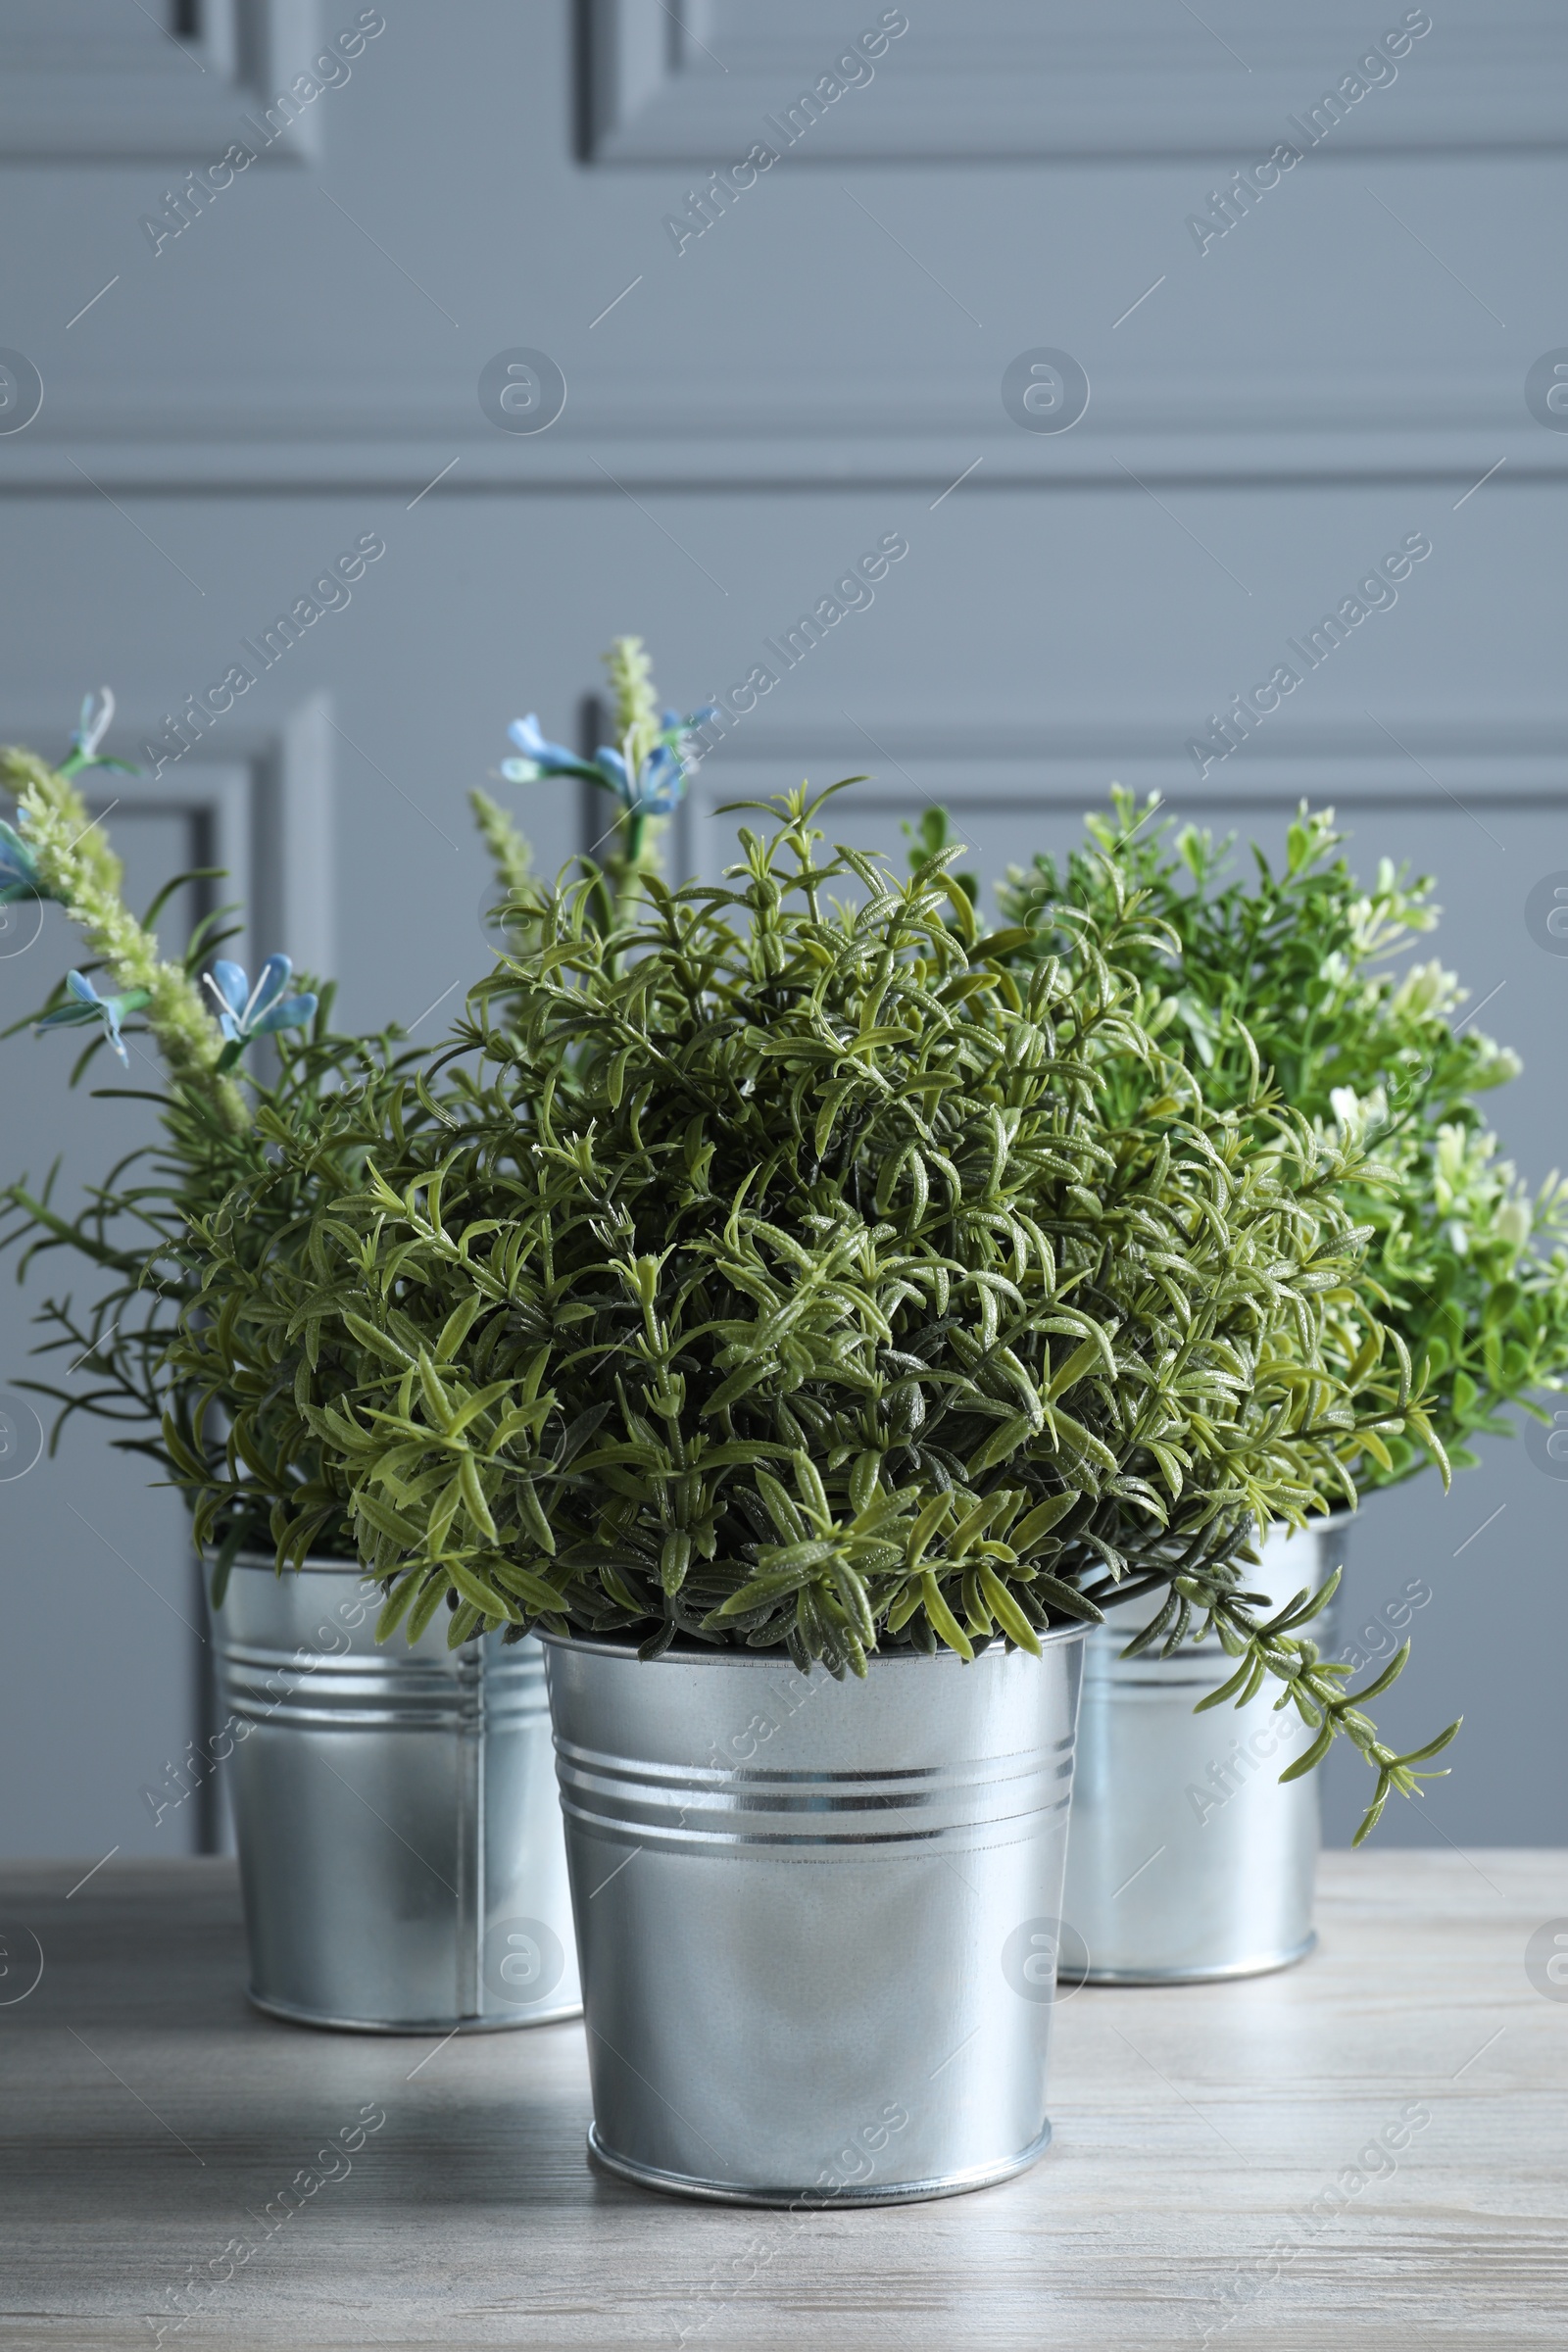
(1204, 2185)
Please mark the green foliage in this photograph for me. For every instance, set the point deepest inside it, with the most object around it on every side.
(215, 1187)
(141, 1232)
(147, 1227)
(509, 854)
(629, 845)
(928, 837)
(77, 866)
(750, 1268)
(1284, 975)
(781, 1280)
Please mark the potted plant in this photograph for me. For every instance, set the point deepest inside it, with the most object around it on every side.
(787, 1334)
(1191, 1857)
(399, 1838)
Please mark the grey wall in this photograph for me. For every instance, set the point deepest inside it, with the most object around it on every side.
(745, 416)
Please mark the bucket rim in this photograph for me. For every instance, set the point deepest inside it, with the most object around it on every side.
(1334, 1525)
(318, 1564)
(1319, 1523)
(728, 1655)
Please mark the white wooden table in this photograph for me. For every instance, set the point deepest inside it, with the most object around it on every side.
(1208, 2181)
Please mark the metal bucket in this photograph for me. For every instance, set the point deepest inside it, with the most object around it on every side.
(1186, 1859)
(395, 1809)
(817, 1921)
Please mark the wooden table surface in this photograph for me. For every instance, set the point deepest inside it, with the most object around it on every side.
(1369, 2149)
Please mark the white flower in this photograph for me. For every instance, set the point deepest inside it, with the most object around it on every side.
(1427, 988)
(1513, 1223)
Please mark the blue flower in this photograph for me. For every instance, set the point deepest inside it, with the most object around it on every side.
(244, 1012)
(541, 758)
(675, 725)
(661, 778)
(85, 1006)
(653, 791)
(657, 785)
(19, 868)
(92, 725)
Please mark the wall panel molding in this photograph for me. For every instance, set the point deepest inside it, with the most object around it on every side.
(843, 437)
(1043, 80)
(94, 92)
(999, 777)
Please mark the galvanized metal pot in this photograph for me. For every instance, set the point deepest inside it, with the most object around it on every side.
(817, 1921)
(1187, 1858)
(395, 1809)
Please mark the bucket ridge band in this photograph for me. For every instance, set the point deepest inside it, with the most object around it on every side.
(650, 1772)
(735, 1809)
(261, 1683)
(252, 1658)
